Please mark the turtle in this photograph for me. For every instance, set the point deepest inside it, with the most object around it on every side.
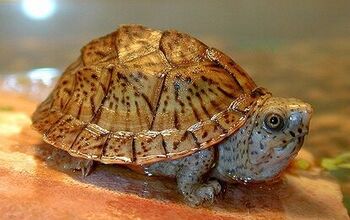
(166, 104)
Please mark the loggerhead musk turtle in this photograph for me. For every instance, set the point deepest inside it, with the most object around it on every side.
(167, 103)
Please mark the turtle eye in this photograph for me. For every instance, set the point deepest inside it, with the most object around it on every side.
(274, 122)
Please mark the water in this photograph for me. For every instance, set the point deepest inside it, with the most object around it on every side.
(295, 48)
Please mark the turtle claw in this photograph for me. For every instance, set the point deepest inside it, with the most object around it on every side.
(64, 161)
(86, 167)
(204, 193)
(85, 172)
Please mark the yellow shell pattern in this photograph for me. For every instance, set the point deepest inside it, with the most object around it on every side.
(138, 96)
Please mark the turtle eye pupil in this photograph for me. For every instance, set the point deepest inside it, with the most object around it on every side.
(274, 122)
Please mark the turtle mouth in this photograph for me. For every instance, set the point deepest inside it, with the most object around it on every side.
(287, 150)
(280, 150)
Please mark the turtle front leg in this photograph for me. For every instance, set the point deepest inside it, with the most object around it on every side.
(189, 173)
(190, 178)
(63, 160)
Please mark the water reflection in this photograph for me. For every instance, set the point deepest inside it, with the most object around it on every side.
(35, 83)
(38, 9)
(44, 75)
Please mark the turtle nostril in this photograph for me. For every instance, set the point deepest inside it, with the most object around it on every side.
(308, 109)
(306, 113)
(280, 150)
(306, 117)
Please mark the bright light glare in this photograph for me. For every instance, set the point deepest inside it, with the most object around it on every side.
(38, 9)
(45, 75)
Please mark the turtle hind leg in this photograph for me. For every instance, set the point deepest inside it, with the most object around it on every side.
(64, 161)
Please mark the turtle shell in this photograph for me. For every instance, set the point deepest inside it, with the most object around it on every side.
(138, 96)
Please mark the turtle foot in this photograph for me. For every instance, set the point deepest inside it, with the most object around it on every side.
(64, 161)
(204, 193)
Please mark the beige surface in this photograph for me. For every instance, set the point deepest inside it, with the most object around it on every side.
(33, 187)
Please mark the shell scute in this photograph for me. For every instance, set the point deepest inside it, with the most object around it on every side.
(153, 63)
(135, 41)
(243, 79)
(149, 146)
(176, 143)
(90, 142)
(86, 98)
(64, 132)
(181, 49)
(206, 131)
(98, 49)
(229, 118)
(192, 94)
(118, 148)
(47, 120)
(128, 106)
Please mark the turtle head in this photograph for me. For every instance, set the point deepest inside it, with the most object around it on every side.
(277, 135)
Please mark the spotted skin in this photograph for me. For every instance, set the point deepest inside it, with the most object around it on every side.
(166, 102)
(254, 153)
(258, 153)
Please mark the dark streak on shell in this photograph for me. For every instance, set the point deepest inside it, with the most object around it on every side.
(160, 86)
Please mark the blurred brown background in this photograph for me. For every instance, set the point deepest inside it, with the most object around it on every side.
(232, 26)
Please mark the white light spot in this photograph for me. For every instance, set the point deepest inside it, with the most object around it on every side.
(38, 9)
(45, 75)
